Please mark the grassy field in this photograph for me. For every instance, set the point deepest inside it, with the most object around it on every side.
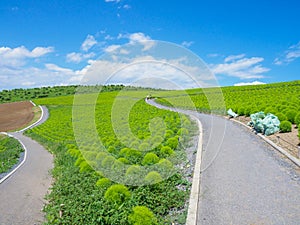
(117, 158)
(10, 150)
(281, 99)
(126, 173)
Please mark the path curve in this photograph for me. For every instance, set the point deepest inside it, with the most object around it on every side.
(22, 194)
(243, 180)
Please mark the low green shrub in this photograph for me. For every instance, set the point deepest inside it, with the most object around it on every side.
(144, 147)
(291, 114)
(183, 132)
(142, 216)
(117, 194)
(241, 111)
(281, 116)
(134, 156)
(297, 119)
(150, 159)
(172, 142)
(133, 173)
(123, 160)
(108, 161)
(169, 133)
(103, 183)
(270, 110)
(10, 150)
(153, 177)
(166, 151)
(285, 126)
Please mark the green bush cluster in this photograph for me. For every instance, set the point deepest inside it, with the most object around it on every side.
(10, 150)
(150, 159)
(117, 194)
(297, 119)
(285, 126)
(142, 216)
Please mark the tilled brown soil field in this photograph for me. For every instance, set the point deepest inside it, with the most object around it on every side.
(15, 115)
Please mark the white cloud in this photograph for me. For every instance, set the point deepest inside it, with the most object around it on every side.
(108, 37)
(56, 68)
(112, 48)
(187, 43)
(17, 56)
(173, 71)
(89, 42)
(249, 83)
(243, 68)
(124, 51)
(213, 55)
(28, 83)
(78, 57)
(289, 56)
(141, 38)
(120, 36)
(234, 57)
(126, 6)
(117, 1)
(49, 75)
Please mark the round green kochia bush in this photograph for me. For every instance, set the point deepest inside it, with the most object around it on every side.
(285, 126)
(108, 161)
(117, 193)
(183, 132)
(172, 142)
(150, 159)
(166, 151)
(169, 134)
(270, 110)
(247, 111)
(297, 119)
(123, 160)
(241, 111)
(281, 116)
(291, 114)
(103, 183)
(144, 147)
(153, 177)
(134, 156)
(165, 167)
(142, 216)
(133, 173)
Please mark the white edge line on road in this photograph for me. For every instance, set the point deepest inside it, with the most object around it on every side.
(32, 103)
(25, 149)
(278, 148)
(195, 190)
(23, 161)
(32, 125)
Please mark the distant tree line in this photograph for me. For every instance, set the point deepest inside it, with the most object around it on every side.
(21, 94)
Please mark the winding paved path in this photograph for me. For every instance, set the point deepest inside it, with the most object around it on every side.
(243, 180)
(22, 194)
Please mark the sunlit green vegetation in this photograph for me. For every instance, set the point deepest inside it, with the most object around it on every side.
(281, 99)
(21, 94)
(10, 150)
(115, 159)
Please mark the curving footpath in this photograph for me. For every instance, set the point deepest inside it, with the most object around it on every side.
(242, 179)
(22, 193)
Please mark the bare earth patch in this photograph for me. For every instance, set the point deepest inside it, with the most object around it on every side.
(288, 141)
(15, 115)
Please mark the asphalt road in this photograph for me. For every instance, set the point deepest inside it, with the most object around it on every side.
(22, 194)
(243, 179)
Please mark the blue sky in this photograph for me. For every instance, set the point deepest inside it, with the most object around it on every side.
(54, 42)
